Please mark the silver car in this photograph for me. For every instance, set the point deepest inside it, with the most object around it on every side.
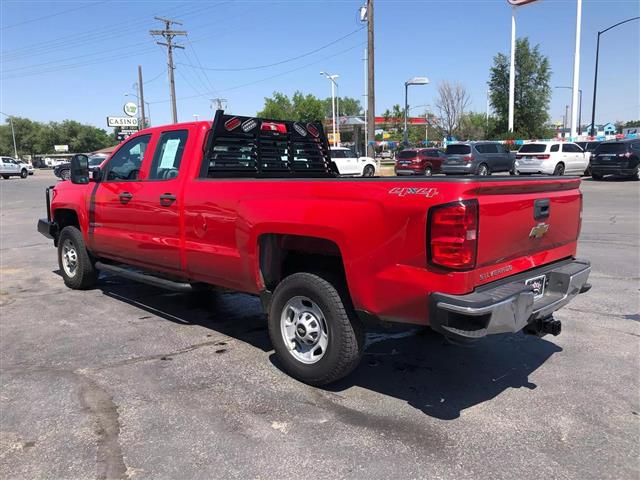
(477, 158)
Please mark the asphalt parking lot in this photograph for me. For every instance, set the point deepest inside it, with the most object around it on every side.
(129, 381)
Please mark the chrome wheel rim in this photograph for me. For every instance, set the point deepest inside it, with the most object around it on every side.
(427, 172)
(66, 174)
(69, 258)
(304, 330)
(483, 171)
(368, 171)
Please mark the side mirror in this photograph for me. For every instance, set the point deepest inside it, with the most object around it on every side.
(80, 169)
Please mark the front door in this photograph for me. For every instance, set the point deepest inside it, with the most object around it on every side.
(114, 209)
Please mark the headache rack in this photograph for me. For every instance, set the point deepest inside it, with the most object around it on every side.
(250, 147)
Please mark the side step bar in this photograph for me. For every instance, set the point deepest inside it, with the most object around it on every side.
(145, 278)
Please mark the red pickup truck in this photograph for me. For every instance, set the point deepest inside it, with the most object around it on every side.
(255, 205)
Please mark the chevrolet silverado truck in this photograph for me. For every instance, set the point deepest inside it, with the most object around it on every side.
(254, 205)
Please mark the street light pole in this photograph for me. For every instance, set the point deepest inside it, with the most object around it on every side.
(13, 134)
(411, 81)
(512, 69)
(579, 107)
(334, 85)
(576, 72)
(595, 80)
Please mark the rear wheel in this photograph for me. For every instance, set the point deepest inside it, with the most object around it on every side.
(314, 331)
(483, 170)
(428, 172)
(368, 171)
(596, 176)
(6, 177)
(75, 264)
(65, 174)
(559, 170)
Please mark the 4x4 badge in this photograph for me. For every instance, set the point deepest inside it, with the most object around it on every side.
(539, 230)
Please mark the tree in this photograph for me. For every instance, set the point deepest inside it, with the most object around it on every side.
(532, 90)
(451, 103)
(300, 107)
(475, 126)
(348, 106)
(39, 138)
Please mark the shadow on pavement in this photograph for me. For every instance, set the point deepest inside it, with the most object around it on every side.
(419, 367)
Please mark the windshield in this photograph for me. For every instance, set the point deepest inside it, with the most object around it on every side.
(406, 154)
(533, 148)
(458, 149)
(612, 148)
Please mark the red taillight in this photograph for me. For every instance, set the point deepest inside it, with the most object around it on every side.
(580, 220)
(468, 158)
(543, 157)
(453, 235)
(274, 127)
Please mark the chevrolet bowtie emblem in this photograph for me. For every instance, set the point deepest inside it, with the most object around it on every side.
(539, 230)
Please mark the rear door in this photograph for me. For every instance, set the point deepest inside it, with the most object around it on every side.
(573, 158)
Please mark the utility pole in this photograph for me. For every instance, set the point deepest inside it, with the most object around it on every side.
(220, 103)
(168, 35)
(141, 97)
(371, 91)
(576, 75)
(512, 70)
(13, 134)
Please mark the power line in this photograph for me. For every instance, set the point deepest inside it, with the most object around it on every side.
(273, 76)
(202, 71)
(311, 52)
(44, 17)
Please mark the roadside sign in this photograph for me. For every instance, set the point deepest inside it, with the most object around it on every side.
(130, 109)
(61, 148)
(122, 121)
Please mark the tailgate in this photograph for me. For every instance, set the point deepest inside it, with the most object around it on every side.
(520, 219)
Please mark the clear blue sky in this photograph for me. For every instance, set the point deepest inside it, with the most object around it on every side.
(77, 59)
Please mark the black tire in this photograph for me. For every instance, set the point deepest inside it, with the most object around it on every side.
(559, 170)
(428, 172)
(85, 274)
(368, 171)
(65, 174)
(24, 173)
(344, 331)
(483, 170)
(6, 177)
(596, 176)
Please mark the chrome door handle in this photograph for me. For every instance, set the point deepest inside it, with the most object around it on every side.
(125, 197)
(166, 199)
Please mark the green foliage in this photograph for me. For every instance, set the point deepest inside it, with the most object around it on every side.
(305, 108)
(39, 138)
(532, 90)
(475, 126)
(631, 124)
(348, 106)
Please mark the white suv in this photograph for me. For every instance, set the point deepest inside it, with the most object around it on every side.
(552, 158)
(348, 163)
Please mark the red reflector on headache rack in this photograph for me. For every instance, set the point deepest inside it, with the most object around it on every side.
(231, 124)
(313, 130)
(274, 127)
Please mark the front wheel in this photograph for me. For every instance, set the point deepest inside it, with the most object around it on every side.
(6, 177)
(24, 173)
(428, 172)
(596, 176)
(313, 329)
(368, 171)
(76, 266)
(559, 170)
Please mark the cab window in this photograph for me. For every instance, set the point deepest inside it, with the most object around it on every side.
(168, 155)
(126, 162)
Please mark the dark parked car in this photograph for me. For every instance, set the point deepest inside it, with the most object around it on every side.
(419, 161)
(589, 147)
(63, 170)
(621, 157)
(478, 158)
